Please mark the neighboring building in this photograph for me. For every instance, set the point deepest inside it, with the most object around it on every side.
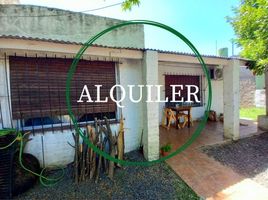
(36, 53)
(51, 24)
(247, 83)
(247, 88)
(252, 89)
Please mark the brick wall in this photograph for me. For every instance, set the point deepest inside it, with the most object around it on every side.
(247, 88)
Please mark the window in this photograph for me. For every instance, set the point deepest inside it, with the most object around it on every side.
(41, 121)
(183, 80)
(38, 90)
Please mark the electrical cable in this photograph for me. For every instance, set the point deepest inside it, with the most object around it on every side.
(51, 181)
(84, 11)
(45, 181)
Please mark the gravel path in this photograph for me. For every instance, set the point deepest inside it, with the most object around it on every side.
(248, 157)
(155, 182)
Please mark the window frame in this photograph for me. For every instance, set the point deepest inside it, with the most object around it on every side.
(63, 125)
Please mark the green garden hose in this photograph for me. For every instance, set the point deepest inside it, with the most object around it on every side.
(45, 181)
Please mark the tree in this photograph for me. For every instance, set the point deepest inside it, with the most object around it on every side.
(127, 4)
(250, 24)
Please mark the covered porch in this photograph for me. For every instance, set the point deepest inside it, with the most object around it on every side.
(225, 93)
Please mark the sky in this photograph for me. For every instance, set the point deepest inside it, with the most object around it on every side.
(203, 22)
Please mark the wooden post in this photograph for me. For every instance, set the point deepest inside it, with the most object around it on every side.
(76, 164)
(86, 163)
(120, 141)
(112, 140)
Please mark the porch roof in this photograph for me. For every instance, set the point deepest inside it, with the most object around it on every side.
(127, 48)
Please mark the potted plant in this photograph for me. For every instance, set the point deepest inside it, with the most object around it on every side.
(165, 149)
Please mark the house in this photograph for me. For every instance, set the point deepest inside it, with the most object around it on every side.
(37, 45)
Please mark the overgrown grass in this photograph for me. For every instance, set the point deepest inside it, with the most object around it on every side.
(251, 113)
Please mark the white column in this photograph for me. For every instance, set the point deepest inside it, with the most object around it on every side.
(5, 119)
(150, 109)
(231, 99)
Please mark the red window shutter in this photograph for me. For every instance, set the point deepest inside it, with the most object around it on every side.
(38, 86)
(181, 80)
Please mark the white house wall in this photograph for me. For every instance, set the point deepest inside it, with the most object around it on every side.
(130, 73)
(217, 96)
(55, 150)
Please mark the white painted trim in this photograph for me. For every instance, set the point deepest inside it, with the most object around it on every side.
(42, 48)
(165, 57)
(50, 49)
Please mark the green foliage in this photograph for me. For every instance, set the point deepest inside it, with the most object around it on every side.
(166, 148)
(250, 24)
(128, 4)
(251, 113)
(7, 131)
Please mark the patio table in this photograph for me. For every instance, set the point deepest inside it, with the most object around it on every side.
(181, 109)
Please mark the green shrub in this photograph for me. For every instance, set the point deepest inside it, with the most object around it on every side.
(166, 148)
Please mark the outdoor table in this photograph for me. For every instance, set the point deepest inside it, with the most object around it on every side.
(181, 109)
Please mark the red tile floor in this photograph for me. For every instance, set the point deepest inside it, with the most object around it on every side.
(207, 177)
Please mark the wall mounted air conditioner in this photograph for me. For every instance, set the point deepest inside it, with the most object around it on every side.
(216, 73)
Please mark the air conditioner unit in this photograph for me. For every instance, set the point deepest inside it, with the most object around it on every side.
(216, 73)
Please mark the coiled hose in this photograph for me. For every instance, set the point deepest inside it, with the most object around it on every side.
(45, 181)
